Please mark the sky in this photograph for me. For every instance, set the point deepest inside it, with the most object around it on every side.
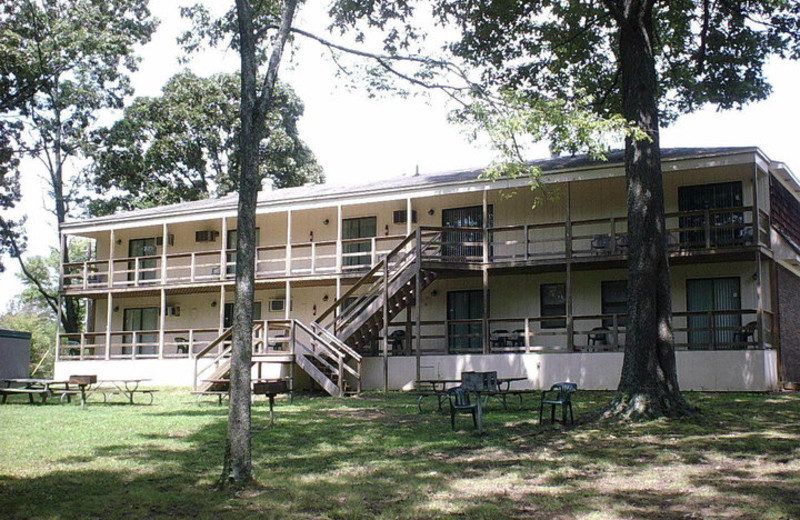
(356, 138)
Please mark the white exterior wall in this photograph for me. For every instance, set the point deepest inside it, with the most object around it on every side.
(735, 370)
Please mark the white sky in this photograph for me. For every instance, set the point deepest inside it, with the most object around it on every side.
(355, 138)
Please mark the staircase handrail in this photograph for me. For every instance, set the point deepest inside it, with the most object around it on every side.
(216, 341)
(341, 345)
(340, 356)
(373, 292)
(375, 269)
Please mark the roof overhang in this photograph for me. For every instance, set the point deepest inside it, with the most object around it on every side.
(354, 195)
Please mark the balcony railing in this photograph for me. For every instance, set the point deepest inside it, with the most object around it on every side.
(687, 232)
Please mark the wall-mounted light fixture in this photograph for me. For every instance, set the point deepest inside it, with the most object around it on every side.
(311, 236)
(386, 230)
(214, 303)
(119, 241)
(434, 293)
(431, 211)
(116, 308)
(325, 298)
(326, 222)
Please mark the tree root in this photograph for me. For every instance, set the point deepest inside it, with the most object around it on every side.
(644, 406)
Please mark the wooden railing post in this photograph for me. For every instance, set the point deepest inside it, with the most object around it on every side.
(191, 344)
(527, 335)
(85, 275)
(136, 271)
(707, 228)
(373, 244)
(111, 260)
(193, 267)
(313, 258)
(615, 336)
(526, 242)
(711, 329)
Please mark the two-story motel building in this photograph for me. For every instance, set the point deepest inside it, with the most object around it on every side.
(424, 276)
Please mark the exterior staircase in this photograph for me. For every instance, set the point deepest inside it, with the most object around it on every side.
(359, 315)
(328, 351)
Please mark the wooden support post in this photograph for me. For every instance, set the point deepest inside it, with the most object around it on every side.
(223, 253)
(109, 317)
(162, 321)
(288, 242)
(760, 302)
(485, 323)
(527, 335)
(338, 238)
(164, 244)
(567, 224)
(570, 324)
(287, 308)
(386, 325)
(409, 211)
(418, 304)
(58, 328)
(775, 337)
(110, 281)
(221, 309)
(485, 219)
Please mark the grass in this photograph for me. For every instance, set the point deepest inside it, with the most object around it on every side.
(376, 457)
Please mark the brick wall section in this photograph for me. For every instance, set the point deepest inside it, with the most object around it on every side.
(789, 324)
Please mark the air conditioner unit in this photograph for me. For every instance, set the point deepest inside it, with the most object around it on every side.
(170, 240)
(277, 305)
(174, 311)
(400, 216)
(206, 236)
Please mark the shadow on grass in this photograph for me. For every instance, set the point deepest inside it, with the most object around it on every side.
(376, 457)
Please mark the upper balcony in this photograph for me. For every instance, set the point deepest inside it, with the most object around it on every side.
(689, 234)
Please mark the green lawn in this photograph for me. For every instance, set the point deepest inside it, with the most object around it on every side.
(377, 457)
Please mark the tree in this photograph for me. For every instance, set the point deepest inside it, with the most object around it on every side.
(259, 31)
(184, 146)
(40, 278)
(649, 61)
(68, 60)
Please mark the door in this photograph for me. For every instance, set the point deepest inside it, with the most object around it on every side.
(358, 252)
(464, 245)
(465, 336)
(141, 319)
(140, 247)
(726, 228)
(713, 295)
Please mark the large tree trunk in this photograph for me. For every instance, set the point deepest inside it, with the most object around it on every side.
(237, 465)
(648, 384)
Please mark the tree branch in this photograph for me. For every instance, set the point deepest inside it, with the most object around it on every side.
(51, 300)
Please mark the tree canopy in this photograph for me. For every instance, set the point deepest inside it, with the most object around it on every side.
(184, 145)
(648, 61)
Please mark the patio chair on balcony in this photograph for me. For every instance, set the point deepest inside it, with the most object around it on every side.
(518, 338)
(396, 339)
(746, 335)
(181, 345)
(498, 338)
(598, 336)
(622, 243)
(601, 245)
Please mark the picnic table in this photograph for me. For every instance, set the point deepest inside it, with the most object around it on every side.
(31, 387)
(128, 388)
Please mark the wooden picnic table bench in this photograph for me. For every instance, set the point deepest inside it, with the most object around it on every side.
(30, 387)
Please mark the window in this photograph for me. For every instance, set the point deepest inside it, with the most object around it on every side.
(614, 301)
(228, 320)
(465, 244)
(553, 302)
(358, 252)
(233, 236)
(726, 227)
